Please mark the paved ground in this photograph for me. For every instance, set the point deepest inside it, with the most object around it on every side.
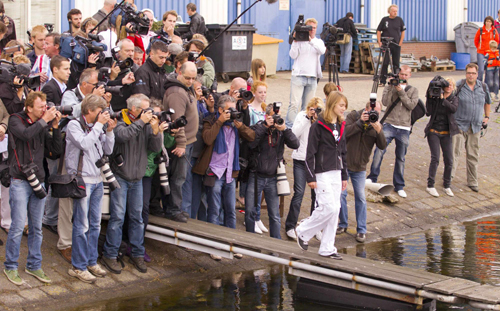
(173, 265)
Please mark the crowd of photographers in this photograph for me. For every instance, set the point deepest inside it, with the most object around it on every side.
(125, 122)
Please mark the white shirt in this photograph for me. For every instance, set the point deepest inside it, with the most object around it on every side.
(300, 128)
(147, 39)
(62, 86)
(110, 40)
(306, 56)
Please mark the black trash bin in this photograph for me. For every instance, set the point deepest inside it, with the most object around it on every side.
(232, 52)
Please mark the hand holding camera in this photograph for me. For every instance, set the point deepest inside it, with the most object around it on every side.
(225, 116)
(128, 79)
(103, 117)
(111, 125)
(99, 91)
(146, 116)
(50, 114)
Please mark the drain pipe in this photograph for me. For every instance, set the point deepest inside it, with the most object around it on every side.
(362, 12)
(299, 265)
(483, 306)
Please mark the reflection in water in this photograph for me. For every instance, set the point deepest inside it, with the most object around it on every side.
(471, 251)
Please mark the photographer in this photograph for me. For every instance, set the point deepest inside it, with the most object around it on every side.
(306, 71)
(86, 135)
(134, 137)
(14, 93)
(219, 161)
(347, 25)
(10, 32)
(266, 153)
(397, 126)
(29, 142)
(55, 87)
(362, 133)
(179, 96)
(123, 75)
(151, 77)
(202, 63)
(439, 131)
(391, 26)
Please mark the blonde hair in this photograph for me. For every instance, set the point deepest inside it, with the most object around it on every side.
(199, 36)
(256, 64)
(329, 87)
(331, 102)
(315, 101)
(494, 44)
(11, 44)
(452, 82)
(392, 6)
(21, 59)
(311, 20)
(38, 30)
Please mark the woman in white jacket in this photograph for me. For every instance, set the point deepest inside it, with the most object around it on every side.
(301, 128)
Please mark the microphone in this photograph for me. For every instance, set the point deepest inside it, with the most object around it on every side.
(271, 1)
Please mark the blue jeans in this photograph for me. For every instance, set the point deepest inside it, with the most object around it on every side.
(127, 199)
(187, 186)
(268, 185)
(345, 56)
(480, 64)
(299, 187)
(24, 203)
(302, 89)
(358, 183)
(51, 204)
(222, 199)
(402, 138)
(86, 227)
(492, 80)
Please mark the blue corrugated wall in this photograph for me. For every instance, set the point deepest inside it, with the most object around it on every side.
(66, 6)
(479, 9)
(335, 10)
(425, 20)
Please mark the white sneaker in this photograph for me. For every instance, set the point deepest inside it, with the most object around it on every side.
(432, 191)
(257, 229)
(402, 193)
(83, 276)
(449, 192)
(261, 226)
(216, 257)
(319, 235)
(291, 234)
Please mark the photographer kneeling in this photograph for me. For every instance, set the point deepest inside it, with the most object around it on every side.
(267, 150)
(29, 140)
(363, 130)
(85, 136)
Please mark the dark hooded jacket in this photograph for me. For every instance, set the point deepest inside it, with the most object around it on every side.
(150, 80)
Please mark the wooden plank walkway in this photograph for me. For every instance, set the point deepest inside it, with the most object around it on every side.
(287, 249)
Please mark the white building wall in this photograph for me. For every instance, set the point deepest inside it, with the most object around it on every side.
(88, 8)
(456, 14)
(378, 11)
(214, 11)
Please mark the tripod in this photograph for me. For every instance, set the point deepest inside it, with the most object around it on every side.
(333, 71)
(384, 52)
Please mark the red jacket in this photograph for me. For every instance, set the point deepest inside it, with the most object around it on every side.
(494, 56)
(483, 43)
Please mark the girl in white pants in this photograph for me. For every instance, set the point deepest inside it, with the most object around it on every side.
(326, 170)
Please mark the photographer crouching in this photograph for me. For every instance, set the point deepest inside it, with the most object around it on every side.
(29, 142)
(363, 131)
(86, 141)
(267, 150)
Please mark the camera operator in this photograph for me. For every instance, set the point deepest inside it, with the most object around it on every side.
(123, 76)
(87, 135)
(397, 126)
(266, 153)
(51, 48)
(29, 141)
(202, 63)
(55, 87)
(347, 25)
(219, 161)
(151, 77)
(180, 97)
(439, 131)
(74, 17)
(394, 27)
(134, 137)
(10, 33)
(146, 39)
(363, 130)
(473, 99)
(306, 71)
(108, 6)
(13, 94)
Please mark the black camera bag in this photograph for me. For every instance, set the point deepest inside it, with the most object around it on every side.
(68, 185)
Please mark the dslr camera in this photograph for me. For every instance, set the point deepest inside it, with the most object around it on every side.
(396, 80)
(373, 114)
(245, 95)
(29, 170)
(235, 114)
(300, 30)
(436, 87)
(277, 117)
(113, 115)
(103, 78)
(64, 110)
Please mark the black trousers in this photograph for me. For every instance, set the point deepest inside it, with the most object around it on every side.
(437, 142)
(396, 54)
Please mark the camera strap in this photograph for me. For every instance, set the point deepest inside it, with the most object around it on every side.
(391, 108)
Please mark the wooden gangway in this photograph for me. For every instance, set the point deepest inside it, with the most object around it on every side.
(364, 275)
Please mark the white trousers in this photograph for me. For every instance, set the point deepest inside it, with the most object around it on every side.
(326, 214)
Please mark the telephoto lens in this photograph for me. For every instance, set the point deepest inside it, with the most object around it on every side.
(64, 110)
(105, 199)
(235, 114)
(245, 95)
(282, 182)
(178, 123)
(29, 170)
(114, 115)
(278, 120)
(162, 161)
(103, 165)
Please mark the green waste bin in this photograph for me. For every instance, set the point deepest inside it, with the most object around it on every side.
(232, 52)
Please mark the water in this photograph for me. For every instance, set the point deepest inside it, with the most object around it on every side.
(470, 251)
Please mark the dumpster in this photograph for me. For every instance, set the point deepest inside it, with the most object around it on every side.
(266, 48)
(232, 52)
(464, 39)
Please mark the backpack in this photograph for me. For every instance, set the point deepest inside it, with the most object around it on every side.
(418, 112)
(459, 87)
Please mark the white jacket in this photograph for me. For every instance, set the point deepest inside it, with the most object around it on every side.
(301, 127)
(306, 56)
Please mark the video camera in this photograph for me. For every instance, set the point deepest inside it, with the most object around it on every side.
(277, 117)
(79, 48)
(436, 87)
(9, 71)
(395, 81)
(329, 34)
(138, 20)
(301, 30)
(103, 78)
(373, 114)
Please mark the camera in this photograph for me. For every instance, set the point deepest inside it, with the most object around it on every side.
(29, 170)
(301, 30)
(113, 115)
(436, 87)
(318, 110)
(138, 20)
(206, 91)
(103, 78)
(245, 95)
(278, 120)
(193, 56)
(162, 161)
(283, 186)
(103, 165)
(161, 38)
(329, 34)
(163, 116)
(395, 81)
(178, 123)
(12, 49)
(22, 71)
(125, 64)
(484, 126)
(235, 114)
(79, 48)
(49, 27)
(373, 114)
(64, 110)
